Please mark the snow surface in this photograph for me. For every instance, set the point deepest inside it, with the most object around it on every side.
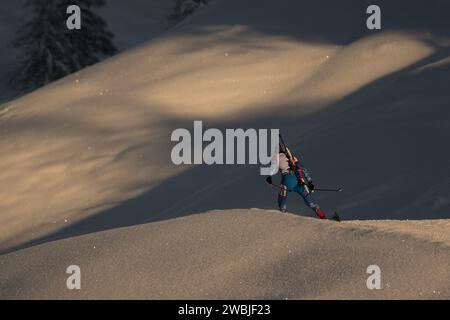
(234, 254)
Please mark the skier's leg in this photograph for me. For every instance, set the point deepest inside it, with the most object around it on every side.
(287, 181)
(282, 198)
(310, 203)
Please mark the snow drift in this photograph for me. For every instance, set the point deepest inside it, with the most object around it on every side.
(237, 254)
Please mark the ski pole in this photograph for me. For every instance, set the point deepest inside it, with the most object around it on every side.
(329, 190)
(318, 189)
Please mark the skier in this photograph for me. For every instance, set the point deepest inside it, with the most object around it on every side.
(299, 182)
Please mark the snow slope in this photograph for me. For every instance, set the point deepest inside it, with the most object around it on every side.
(365, 110)
(235, 254)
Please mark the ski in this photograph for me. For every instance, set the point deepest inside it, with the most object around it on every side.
(336, 217)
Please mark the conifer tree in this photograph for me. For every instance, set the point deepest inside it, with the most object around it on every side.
(50, 51)
(184, 8)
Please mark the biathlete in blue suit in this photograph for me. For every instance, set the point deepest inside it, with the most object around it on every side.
(290, 182)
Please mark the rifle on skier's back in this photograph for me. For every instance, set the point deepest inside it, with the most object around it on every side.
(291, 161)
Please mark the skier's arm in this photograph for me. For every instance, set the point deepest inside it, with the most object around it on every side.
(306, 174)
(302, 171)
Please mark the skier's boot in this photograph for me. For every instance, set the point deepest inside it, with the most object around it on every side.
(320, 214)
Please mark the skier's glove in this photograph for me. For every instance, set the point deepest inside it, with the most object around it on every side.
(269, 180)
(311, 186)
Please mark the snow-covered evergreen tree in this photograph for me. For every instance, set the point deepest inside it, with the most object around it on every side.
(50, 51)
(183, 8)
